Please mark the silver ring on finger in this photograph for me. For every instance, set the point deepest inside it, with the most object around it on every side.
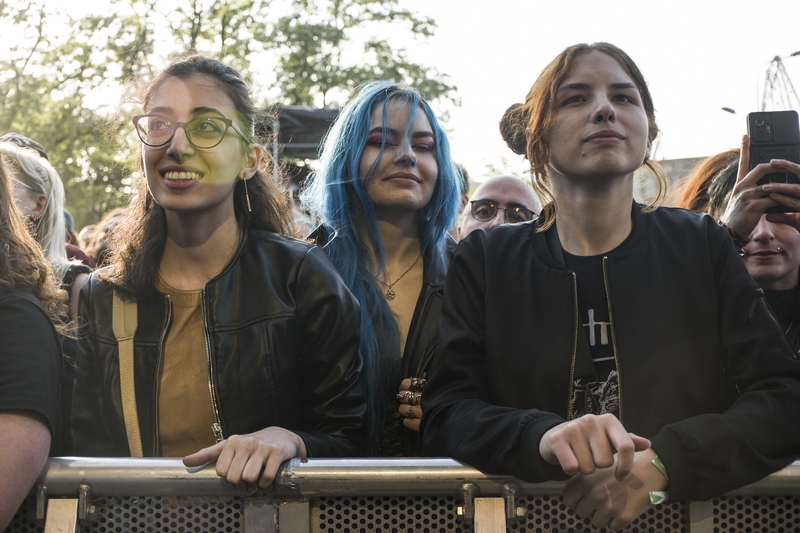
(410, 414)
(405, 397)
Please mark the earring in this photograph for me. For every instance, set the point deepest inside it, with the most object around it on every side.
(247, 197)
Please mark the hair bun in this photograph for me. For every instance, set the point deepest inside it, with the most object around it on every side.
(512, 128)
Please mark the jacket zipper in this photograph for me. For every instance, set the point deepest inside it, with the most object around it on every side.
(157, 441)
(613, 335)
(216, 427)
(574, 345)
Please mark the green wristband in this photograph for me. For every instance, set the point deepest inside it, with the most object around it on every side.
(658, 464)
(659, 496)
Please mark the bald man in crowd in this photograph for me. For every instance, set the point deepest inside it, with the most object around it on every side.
(499, 200)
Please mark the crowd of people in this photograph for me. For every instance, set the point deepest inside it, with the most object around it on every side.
(551, 330)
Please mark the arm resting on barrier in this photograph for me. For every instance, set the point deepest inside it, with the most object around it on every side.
(25, 442)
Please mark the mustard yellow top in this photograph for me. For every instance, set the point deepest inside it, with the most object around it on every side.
(184, 404)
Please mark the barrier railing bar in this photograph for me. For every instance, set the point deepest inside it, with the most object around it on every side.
(122, 477)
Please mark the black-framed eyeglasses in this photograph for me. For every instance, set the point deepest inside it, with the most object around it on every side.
(486, 210)
(201, 132)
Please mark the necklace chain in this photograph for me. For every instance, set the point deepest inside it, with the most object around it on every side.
(389, 293)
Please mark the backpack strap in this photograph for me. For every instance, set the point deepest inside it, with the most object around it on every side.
(124, 322)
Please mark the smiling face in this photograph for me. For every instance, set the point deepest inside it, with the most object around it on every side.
(403, 176)
(600, 127)
(182, 177)
(773, 255)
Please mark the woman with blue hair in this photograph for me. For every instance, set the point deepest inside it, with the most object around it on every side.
(386, 192)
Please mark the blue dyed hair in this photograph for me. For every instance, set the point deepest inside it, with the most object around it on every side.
(336, 194)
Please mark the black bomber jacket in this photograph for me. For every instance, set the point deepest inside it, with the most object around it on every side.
(704, 369)
(282, 332)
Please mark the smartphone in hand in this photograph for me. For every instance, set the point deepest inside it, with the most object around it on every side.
(774, 135)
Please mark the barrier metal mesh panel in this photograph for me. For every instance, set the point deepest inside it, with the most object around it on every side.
(422, 514)
(775, 514)
(544, 514)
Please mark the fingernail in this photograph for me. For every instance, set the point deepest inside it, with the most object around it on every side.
(231, 486)
(251, 490)
(240, 493)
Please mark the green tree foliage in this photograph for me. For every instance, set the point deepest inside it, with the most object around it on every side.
(318, 58)
(62, 77)
(229, 30)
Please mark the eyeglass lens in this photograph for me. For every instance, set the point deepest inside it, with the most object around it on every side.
(203, 132)
(485, 210)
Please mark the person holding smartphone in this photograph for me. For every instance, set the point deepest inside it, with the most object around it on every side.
(753, 196)
(769, 243)
(623, 347)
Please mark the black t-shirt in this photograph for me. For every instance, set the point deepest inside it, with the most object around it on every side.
(598, 393)
(30, 355)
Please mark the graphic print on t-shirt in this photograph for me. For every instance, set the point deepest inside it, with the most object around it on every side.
(597, 393)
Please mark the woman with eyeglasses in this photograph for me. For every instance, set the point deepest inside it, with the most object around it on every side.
(387, 191)
(620, 346)
(246, 347)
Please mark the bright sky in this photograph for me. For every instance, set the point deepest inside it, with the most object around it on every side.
(697, 55)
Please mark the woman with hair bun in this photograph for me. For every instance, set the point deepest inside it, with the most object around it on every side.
(620, 346)
(246, 347)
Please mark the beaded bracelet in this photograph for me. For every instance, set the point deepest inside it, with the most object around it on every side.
(659, 496)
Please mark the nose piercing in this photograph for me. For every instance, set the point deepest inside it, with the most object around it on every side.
(779, 249)
(406, 159)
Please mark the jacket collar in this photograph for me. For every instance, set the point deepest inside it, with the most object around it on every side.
(548, 246)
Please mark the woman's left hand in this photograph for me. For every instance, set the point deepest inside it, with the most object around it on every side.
(250, 462)
(613, 503)
(749, 200)
(410, 396)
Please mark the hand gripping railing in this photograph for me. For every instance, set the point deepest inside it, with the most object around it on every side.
(68, 486)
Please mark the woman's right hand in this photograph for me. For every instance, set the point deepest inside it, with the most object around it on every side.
(410, 396)
(749, 200)
(590, 442)
(250, 462)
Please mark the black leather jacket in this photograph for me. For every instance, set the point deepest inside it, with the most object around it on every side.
(282, 334)
(421, 342)
(422, 333)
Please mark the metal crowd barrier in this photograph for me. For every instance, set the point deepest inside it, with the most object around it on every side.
(77, 494)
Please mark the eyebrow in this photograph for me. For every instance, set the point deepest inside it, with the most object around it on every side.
(195, 111)
(414, 135)
(583, 86)
(509, 204)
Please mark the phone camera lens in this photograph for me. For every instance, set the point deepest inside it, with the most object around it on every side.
(759, 122)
